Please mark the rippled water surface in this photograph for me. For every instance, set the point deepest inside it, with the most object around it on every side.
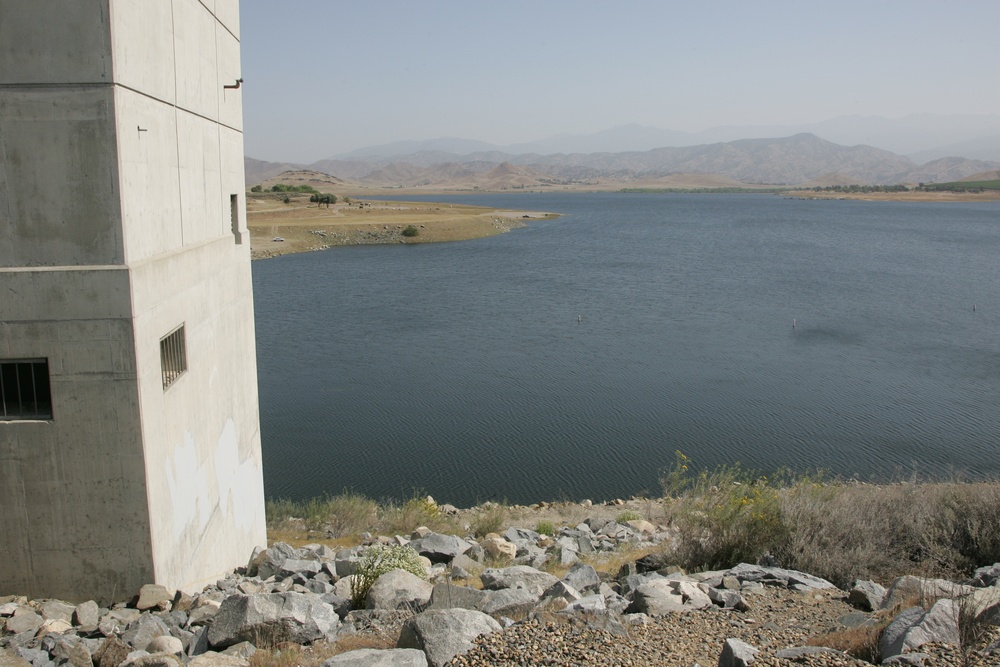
(570, 359)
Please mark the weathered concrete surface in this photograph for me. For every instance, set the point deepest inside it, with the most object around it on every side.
(122, 218)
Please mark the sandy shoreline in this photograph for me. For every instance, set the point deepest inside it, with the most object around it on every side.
(277, 228)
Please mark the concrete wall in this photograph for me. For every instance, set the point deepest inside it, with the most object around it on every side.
(74, 516)
(120, 151)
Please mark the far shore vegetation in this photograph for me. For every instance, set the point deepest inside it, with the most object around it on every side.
(841, 530)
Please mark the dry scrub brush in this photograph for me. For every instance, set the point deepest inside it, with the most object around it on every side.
(837, 530)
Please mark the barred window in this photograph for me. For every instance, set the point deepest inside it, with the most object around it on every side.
(24, 390)
(173, 356)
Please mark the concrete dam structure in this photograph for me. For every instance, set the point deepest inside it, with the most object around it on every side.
(129, 430)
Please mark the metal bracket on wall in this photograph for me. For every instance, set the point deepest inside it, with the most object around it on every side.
(239, 82)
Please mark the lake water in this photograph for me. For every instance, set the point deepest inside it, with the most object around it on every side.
(572, 358)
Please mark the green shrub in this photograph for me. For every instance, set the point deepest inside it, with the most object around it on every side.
(545, 528)
(723, 517)
(628, 515)
(376, 561)
(411, 231)
(490, 518)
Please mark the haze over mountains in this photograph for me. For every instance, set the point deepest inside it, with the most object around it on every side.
(863, 150)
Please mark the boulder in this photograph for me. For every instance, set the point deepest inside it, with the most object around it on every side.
(268, 562)
(87, 614)
(583, 578)
(727, 599)
(155, 660)
(143, 630)
(440, 548)
(165, 644)
(372, 657)
(779, 576)
(398, 589)
(508, 602)
(521, 576)
(987, 576)
(57, 610)
(213, 659)
(55, 626)
(657, 598)
(154, 596)
(914, 627)
(449, 596)
(272, 617)
(111, 653)
(24, 620)
(444, 633)
(866, 595)
(922, 590)
(12, 660)
(293, 566)
(499, 549)
(737, 653)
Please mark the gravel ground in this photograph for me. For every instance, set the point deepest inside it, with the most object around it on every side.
(778, 619)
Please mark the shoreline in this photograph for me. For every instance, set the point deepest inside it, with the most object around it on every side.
(277, 228)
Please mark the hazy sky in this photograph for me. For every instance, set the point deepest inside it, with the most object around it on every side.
(327, 76)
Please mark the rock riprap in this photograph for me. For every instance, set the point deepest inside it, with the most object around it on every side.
(466, 613)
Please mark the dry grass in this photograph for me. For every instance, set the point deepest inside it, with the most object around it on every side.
(306, 226)
(836, 530)
(314, 655)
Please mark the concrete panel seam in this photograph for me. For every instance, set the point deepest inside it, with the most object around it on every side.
(177, 107)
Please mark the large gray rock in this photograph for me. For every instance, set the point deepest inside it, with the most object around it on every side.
(913, 628)
(508, 602)
(165, 644)
(442, 634)
(111, 653)
(583, 578)
(57, 610)
(440, 548)
(983, 604)
(272, 617)
(657, 598)
(398, 589)
(143, 630)
(737, 653)
(728, 599)
(213, 659)
(268, 562)
(922, 590)
(305, 567)
(987, 576)
(866, 595)
(449, 596)
(154, 596)
(778, 576)
(372, 657)
(518, 576)
(24, 620)
(87, 614)
(12, 660)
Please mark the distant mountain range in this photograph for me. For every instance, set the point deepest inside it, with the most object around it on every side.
(922, 137)
(802, 158)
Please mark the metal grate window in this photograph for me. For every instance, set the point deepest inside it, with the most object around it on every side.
(24, 390)
(173, 356)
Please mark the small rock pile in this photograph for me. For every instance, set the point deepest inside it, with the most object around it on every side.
(644, 614)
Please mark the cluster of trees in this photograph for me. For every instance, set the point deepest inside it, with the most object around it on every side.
(281, 187)
(961, 186)
(315, 197)
(862, 188)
